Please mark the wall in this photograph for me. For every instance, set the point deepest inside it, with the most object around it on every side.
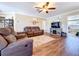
(63, 18)
(59, 18)
(21, 21)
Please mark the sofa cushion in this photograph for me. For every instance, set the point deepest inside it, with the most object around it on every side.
(5, 31)
(27, 29)
(29, 32)
(3, 42)
(11, 38)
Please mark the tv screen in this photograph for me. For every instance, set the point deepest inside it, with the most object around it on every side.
(55, 25)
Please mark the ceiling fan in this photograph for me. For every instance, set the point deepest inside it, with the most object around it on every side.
(45, 7)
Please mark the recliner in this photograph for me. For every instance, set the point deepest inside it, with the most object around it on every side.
(33, 31)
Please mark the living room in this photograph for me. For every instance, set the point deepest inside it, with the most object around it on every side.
(33, 32)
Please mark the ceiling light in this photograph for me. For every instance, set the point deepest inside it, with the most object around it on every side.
(45, 6)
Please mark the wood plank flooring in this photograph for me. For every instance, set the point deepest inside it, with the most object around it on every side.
(60, 47)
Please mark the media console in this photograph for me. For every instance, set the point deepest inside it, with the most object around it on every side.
(55, 31)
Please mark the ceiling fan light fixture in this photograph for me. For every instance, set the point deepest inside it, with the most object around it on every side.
(45, 6)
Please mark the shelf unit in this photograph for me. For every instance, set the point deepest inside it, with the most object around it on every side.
(6, 22)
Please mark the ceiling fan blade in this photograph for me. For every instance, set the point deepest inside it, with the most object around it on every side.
(40, 11)
(38, 7)
(51, 8)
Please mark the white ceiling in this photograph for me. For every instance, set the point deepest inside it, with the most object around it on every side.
(28, 8)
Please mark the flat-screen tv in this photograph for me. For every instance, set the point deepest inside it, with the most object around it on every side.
(55, 25)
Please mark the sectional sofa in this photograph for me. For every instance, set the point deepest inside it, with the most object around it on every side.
(11, 46)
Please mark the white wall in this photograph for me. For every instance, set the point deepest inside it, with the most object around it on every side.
(59, 18)
(22, 21)
(63, 18)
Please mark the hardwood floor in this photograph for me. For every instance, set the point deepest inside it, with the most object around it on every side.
(60, 47)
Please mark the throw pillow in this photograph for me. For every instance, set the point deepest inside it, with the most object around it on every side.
(3, 42)
(5, 31)
(11, 38)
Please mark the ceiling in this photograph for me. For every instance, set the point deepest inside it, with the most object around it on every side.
(28, 8)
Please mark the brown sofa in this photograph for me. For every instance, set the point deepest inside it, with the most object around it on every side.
(33, 31)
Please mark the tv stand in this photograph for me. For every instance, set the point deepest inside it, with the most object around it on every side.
(55, 31)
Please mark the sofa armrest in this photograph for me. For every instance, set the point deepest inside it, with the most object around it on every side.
(19, 48)
(42, 31)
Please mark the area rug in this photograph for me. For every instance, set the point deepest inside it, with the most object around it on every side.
(42, 39)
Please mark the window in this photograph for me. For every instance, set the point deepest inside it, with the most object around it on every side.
(73, 22)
